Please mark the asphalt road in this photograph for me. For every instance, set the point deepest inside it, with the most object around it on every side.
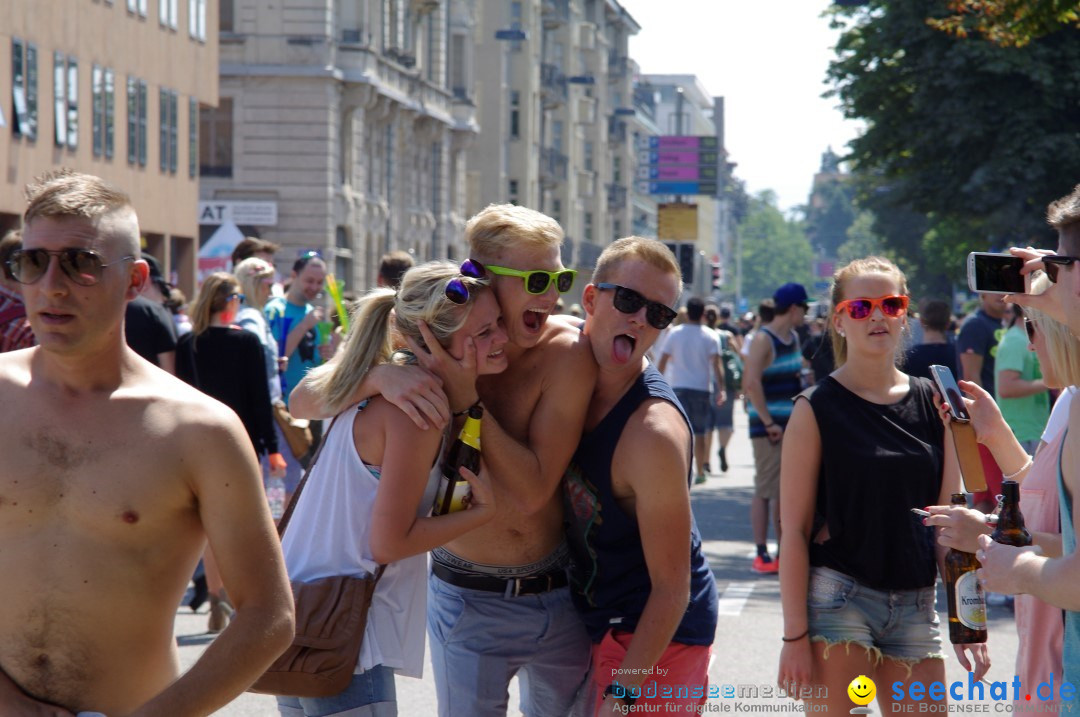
(748, 634)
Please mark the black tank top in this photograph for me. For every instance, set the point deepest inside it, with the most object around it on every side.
(877, 463)
(608, 577)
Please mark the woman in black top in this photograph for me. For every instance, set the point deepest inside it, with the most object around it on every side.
(864, 447)
(227, 363)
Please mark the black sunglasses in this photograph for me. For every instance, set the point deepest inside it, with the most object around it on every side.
(82, 266)
(1053, 262)
(629, 301)
(1029, 327)
(456, 290)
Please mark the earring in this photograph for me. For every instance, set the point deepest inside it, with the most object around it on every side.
(842, 334)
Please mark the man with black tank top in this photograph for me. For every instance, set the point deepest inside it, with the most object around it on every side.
(638, 574)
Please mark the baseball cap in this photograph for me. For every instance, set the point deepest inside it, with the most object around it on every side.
(790, 294)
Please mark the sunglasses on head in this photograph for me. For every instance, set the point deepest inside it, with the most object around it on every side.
(629, 301)
(456, 290)
(537, 281)
(82, 266)
(859, 309)
(1053, 262)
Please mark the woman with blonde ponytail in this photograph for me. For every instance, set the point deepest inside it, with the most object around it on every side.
(368, 497)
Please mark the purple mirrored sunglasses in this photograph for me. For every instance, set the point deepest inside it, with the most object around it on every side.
(456, 290)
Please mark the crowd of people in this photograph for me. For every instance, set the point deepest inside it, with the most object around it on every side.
(578, 565)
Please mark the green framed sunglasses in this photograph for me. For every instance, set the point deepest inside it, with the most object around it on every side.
(537, 281)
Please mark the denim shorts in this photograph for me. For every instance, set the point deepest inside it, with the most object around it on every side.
(697, 406)
(373, 689)
(723, 416)
(899, 624)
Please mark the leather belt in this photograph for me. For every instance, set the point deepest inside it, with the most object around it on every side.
(967, 453)
(511, 587)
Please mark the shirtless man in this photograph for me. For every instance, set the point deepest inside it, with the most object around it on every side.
(498, 601)
(114, 474)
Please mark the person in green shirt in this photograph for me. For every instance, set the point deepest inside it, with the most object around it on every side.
(1021, 392)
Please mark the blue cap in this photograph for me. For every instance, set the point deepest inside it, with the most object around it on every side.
(789, 295)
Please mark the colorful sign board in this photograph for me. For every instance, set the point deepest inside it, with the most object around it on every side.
(683, 142)
(680, 164)
(682, 188)
(677, 221)
(673, 172)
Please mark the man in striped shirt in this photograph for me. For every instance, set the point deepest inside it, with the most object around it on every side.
(770, 381)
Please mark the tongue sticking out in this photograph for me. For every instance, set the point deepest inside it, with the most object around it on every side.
(532, 320)
(622, 348)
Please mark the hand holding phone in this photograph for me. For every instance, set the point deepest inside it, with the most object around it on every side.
(950, 392)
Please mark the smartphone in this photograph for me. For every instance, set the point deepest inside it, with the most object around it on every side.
(950, 392)
(995, 273)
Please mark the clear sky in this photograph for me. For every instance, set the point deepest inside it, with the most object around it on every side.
(767, 58)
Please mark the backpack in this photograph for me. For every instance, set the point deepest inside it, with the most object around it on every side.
(733, 367)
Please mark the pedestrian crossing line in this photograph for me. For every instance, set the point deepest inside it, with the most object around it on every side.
(734, 598)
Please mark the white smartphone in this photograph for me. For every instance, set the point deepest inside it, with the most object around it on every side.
(995, 273)
(950, 392)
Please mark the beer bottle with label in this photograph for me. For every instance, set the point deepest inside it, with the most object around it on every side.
(1010, 526)
(465, 452)
(967, 603)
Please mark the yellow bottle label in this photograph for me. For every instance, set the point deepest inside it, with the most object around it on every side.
(459, 490)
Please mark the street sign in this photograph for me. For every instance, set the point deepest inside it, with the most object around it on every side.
(680, 164)
(677, 221)
(682, 188)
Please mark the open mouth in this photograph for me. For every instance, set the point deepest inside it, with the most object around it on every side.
(52, 317)
(879, 332)
(534, 319)
(495, 354)
(622, 348)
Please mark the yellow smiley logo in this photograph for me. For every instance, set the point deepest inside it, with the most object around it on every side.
(862, 690)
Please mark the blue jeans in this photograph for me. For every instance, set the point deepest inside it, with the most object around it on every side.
(371, 694)
(900, 624)
(479, 640)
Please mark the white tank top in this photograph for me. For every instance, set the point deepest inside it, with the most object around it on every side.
(330, 534)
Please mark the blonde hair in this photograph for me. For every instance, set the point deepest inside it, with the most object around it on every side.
(250, 273)
(66, 193)
(1062, 347)
(213, 296)
(502, 226)
(652, 252)
(856, 268)
(422, 297)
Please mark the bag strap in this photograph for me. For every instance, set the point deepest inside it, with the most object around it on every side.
(284, 522)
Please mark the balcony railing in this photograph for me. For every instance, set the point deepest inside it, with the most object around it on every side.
(555, 13)
(552, 86)
(618, 66)
(616, 132)
(553, 166)
(645, 99)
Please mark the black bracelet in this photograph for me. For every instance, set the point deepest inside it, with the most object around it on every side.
(462, 412)
(768, 425)
(795, 639)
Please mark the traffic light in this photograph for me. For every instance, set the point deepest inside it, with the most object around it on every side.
(717, 275)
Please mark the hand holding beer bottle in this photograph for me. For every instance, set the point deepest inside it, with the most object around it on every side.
(460, 470)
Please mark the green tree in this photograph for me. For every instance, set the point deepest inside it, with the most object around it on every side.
(830, 214)
(966, 142)
(1010, 23)
(774, 249)
(861, 240)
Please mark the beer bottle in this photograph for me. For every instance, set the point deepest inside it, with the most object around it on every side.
(967, 603)
(465, 452)
(1010, 526)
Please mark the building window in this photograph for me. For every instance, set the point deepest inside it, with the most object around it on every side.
(144, 104)
(138, 6)
(459, 84)
(588, 226)
(110, 108)
(343, 256)
(557, 135)
(60, 98)
(168, 133)
(72, 103)
(132, 119)
(197, 19)
(216, 147)
(513, 190)
(589, 153)
(616, 170)
(97, 110)
(226, 10)
(193, 137)
(24, 83)
(515, 114)
(556, 210)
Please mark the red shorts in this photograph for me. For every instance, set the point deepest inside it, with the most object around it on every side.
(680, 677)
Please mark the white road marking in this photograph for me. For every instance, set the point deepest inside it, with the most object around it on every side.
(734, 598)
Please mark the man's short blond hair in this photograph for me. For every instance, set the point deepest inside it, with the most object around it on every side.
(66, 193)
(651, 251)
(503, 226)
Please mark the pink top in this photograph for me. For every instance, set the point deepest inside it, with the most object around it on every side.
(1038, 624)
